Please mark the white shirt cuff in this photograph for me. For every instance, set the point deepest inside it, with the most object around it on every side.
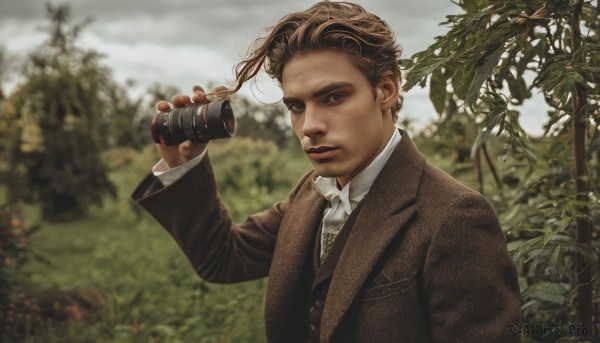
(168, 176)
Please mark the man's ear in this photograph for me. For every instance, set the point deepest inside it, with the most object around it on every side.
(389, 88)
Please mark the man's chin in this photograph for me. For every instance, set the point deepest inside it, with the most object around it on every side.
(326, 172)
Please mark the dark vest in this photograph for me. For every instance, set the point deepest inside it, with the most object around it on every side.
(321, 275)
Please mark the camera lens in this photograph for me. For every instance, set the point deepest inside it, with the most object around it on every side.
(198, 123)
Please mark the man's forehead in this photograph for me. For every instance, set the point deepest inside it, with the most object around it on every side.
(312, 72)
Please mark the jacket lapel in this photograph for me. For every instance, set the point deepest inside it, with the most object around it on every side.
(388, 206)
(294, 244)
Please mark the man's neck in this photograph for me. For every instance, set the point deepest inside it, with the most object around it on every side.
(344, 180)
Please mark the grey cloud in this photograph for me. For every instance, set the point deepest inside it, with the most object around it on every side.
(228, 25)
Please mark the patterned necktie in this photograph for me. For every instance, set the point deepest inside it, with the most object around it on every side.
(333, 220)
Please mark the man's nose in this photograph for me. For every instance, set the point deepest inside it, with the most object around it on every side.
(314, 122)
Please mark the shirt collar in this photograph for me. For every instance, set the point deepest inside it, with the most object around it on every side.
(353, 192)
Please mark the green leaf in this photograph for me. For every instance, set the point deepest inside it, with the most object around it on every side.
(421, 70)
(537, 50)
(547, 291)
(518, 89)
(482, 72)
(492, 119)
(540, 254)
(437, 90)
(529, 152)
(586, 48)
(514, 245)
(481, 138)
(557, 260)
(461, 80)
(558, 227)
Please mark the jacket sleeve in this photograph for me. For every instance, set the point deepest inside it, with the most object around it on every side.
(191, 211)
(469, 279)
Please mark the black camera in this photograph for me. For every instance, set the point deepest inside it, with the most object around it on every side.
(198, 123)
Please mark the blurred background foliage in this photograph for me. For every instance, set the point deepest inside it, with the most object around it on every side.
(495, 55)
(79, 262)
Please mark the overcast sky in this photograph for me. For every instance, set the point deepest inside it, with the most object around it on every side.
(186, 42)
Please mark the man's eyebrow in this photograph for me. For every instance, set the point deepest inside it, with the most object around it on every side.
(326, 89)
(330, 87)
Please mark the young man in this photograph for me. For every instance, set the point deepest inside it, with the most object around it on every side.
(375, 244)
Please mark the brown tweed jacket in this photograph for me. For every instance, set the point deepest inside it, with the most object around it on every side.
(425, 261)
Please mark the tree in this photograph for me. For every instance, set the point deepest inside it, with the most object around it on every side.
(494, 56)
(55, 124)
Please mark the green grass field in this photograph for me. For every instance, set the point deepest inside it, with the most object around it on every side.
(152, 292)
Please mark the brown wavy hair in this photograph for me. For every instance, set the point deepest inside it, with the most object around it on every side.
(342, 26)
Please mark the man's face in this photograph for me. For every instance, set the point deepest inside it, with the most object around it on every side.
(340, 123)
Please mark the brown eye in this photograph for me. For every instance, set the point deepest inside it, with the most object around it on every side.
(296, 108)
(335, 98)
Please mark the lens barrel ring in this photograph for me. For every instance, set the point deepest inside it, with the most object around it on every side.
(186, 115)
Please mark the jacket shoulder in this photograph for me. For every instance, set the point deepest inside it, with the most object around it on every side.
(442, 189)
